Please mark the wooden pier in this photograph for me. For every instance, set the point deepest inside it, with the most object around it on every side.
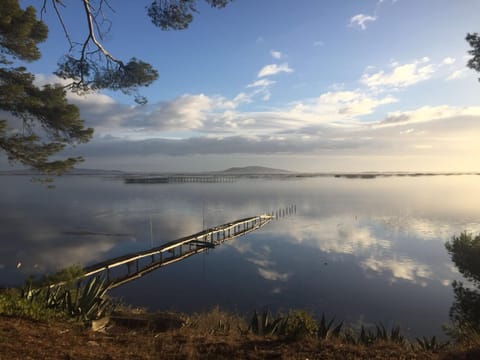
(129, 267)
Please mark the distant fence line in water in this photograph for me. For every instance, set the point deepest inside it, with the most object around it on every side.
(283, 212)
(179, 179)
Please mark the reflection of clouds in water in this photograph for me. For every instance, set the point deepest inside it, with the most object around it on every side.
(61, 257)
(242, 247)
(386, 256)
(261, 258)
(273, 275)
(40, 244)
(334, 235)
(400, 268)
(261, 262)
(424, 228)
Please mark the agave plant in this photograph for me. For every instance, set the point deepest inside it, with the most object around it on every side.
(327, 330)
(264, 324)
(431, 344)
(393, 336)
(370, 336)
(367, 336)
(89, 302)
(295, 324)
(29, 292)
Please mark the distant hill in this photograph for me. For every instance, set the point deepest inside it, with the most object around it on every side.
(254, 170)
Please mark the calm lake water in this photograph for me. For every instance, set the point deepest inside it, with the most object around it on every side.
(364, 250)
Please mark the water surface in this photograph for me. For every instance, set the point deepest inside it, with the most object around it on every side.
(364, 250)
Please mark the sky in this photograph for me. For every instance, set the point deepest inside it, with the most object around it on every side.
(305, 85)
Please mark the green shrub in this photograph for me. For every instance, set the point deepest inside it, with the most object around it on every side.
(216, 322)
(13, 304)
(300, 323)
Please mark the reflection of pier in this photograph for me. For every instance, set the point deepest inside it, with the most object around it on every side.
(143, 262)
(172, 179)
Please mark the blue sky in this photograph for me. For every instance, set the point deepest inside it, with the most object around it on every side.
(305, 85)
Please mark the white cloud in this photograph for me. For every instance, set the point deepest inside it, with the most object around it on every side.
(457, 74)
(361, 20)
(448, 61)
(273, 69)
(428, 113)
(276, 54)
(184, 112)
(261, 83)
(353, 103)
(401, 76)
(318, 43)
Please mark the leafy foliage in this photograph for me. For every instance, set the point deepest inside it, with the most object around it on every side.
(63, 276)
(92, 74)
(300, 323)
(12, 303)
(42, 122)
(474, 41)
(177, 14)
(464, 251)
(20, 31)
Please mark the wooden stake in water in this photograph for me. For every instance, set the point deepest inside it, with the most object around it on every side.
(151, 232)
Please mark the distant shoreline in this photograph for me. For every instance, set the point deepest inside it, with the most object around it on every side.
(137, 175)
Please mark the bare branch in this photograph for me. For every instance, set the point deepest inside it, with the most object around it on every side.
(108, 5)
(43, 10)
(92, 37)
(60, 19)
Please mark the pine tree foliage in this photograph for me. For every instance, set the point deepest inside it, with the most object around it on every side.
(35, 122)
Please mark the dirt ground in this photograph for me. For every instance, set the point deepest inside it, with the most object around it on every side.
(26, 339)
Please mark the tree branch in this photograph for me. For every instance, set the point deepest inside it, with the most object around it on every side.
(92, 36)
(64, 27)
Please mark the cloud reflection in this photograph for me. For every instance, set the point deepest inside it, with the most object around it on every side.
(402, 268)
(378, 255)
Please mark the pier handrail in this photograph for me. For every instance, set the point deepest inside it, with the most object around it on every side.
(124, 259)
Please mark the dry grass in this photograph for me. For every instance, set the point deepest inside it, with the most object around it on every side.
(211, 335)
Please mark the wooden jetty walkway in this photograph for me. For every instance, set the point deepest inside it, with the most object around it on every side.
(129, 267)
